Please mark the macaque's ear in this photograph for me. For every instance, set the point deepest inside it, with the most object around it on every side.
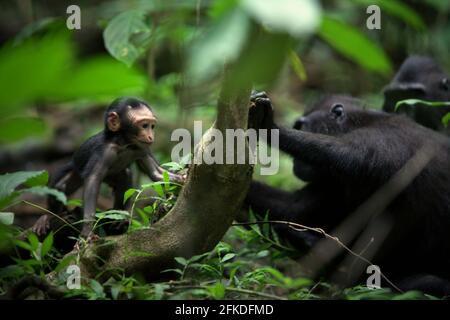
(113, 121)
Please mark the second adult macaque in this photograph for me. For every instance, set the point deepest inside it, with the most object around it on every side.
(420, 78)
(106, 157)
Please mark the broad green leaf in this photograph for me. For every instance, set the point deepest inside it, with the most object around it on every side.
(98, 78)
(29, 69)
(198, 257)
(217, 291)
(128, 194)
(219, 45)
(159, 189)
(181, 260)
(37, 180)
(9, 200)
(397, 9)
(18, 128)
(7, 218)
(354, 45)
(47, 244)
(10, 181)
(227, 257)
(45, 191)
(295, 17)
(126, 36)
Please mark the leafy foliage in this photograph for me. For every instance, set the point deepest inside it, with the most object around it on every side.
(127, 36)
(33, 182)
(354, 45)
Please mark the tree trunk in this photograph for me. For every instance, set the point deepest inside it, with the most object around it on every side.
(205, 209)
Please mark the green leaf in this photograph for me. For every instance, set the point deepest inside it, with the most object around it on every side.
(10, 181)
(295, 17)
(412, 102)
(23, 245)
(446, 119)
(159, 189)
(297, 65)
(33, 240)
(217, 291)
(143, 216)
(410, 295)
(397, 9)
(99, 78)
(18, 128)
(219, 45)
(127, 36)
(181, 261)
(172, 166)
(96, 287)
(50, 57)
(7, 218)
(166, 176)
(354, 45)
(113, 214)
(47, 244)
(115, 290)
(128, 194)
(65, 262)
(43, 191)
(227, 257)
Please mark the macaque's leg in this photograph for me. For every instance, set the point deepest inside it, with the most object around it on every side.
(120, 183)
(90, 196)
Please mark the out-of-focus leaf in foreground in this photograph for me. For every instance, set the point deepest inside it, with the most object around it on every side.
(353, 44)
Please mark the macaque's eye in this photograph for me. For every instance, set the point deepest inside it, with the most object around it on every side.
(153, 126)
(145, 125)
(337, 110)
(445, 84)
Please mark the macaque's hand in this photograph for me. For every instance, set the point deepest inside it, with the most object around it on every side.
(261, 111)
(42, 225)
(178, 178)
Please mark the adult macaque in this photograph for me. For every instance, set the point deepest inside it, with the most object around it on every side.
(346, 154)
(420, 78)
(106, 157)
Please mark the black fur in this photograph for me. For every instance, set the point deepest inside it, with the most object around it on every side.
(346, 154)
